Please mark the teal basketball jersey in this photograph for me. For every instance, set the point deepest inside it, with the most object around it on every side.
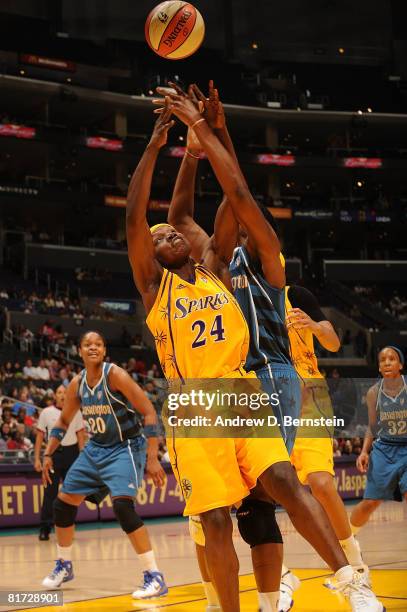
(110, 418)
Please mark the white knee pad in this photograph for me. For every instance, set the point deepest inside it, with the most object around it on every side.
(196, 531)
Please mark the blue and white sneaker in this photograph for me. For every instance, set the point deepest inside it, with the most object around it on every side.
(62, 572)
(154, 586)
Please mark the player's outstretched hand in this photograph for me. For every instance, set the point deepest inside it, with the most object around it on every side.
(155, 471)
(47, 470)
(362, 462)
(162, 125)
(211, 105)
(182, 105)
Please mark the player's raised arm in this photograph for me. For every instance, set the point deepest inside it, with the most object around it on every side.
(120, 380)
(362, 462)
(181, 212)
(146, 270)
(226, 227)
(234, 186)
(215, 116)
(71, 407)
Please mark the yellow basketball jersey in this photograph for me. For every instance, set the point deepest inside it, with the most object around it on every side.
(198, 328)
(302, 348)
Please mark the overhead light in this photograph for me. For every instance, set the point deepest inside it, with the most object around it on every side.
(69, 80)
(255, 45)
(359, 183)
(22, 71)
(360, 112)
(341, 50)
(369, 110)
(180, 138)
(288, 185)
(150, 92)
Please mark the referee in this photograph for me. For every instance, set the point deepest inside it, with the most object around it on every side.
(63, 458)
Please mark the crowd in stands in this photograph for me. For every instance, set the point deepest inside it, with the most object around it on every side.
(27, 388)
(394, 304)
(50, 303)
(347, 446)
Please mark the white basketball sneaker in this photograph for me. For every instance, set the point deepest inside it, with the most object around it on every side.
(360, 595)
(62, 572)
(154, 586)
(289, 584)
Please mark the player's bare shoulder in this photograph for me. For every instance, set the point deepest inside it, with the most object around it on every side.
(372, 393)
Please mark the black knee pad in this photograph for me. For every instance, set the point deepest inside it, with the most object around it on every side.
(64, 514)
(257, 523)
(126, 515)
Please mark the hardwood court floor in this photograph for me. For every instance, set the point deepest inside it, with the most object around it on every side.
(106, 570)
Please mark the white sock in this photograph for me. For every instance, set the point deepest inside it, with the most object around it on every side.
(268, 602)
(351, 550)
(64, 552)
(210, 594)
(345, 574)
(148, 562)
(355, 530)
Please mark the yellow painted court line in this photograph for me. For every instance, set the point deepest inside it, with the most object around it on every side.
(389, 584)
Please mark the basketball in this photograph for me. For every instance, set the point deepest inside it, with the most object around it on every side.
(175, 29)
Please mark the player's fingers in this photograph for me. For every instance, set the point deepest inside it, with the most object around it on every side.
(161, 478)
(158, 101)
(166, 91)
(177, 88)
(199, 93)
(194, 98)
(167, 111)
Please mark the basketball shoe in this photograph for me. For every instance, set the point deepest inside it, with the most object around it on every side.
(154, 586)
(359, 594)
(289, 584)
(62, 572)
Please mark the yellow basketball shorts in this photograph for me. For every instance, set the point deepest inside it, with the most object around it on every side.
(219, 472)
(311, 455)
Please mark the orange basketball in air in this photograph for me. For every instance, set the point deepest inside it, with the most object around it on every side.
(175, 30)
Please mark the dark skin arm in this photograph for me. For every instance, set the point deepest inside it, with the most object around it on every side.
(181, 212)
(245, 209)
(226, 228)
(205, 249)
(119, 380)
(147, 272)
